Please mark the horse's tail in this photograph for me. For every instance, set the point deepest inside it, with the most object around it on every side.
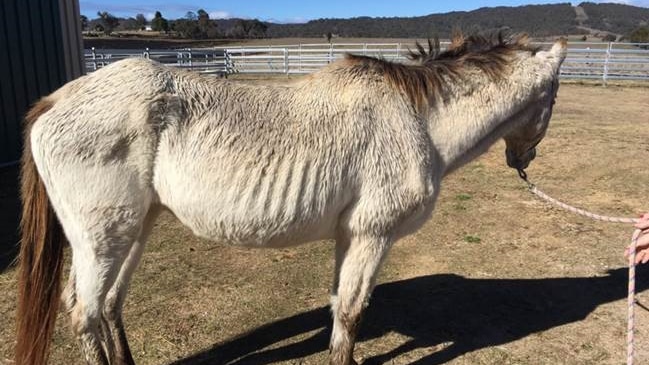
(41, 257)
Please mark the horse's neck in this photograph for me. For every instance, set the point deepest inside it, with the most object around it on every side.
(475, 117)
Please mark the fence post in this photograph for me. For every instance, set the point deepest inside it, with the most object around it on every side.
(286, 61)
(606, 60)
(94, 59)
(229, 68)
(300, 58)
(398, 51)
(331, 52)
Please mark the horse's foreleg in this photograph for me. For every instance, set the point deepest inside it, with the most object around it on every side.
(121, 353)
(358, 267)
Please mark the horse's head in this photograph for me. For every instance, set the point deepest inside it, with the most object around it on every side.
(532, 121)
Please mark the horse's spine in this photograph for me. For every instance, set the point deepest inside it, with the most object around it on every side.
(41, 258)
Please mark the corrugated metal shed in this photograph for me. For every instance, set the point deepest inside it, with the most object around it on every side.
(40, 50)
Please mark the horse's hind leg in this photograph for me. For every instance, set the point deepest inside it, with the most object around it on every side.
(358, 265)
(113, 326)
(121, 353)
(101, 239)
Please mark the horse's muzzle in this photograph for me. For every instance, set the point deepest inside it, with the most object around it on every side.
(520, 162)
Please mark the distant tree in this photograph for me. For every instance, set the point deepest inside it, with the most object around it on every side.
(212, 32)
(196, 26)
(257, 29)
(159, 24)
(208, 27)
(108, 21)
(236, 31)
(639, 35)
(245, 28)
(128, 24)
(328, 36)
(203, 21)
(202, 16)
(186, 28)
(140, 20)
(84, 22)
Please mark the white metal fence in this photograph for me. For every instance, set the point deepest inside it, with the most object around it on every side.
(604, 61)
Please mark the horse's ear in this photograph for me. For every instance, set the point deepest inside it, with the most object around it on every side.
(557, 53)
(560, 48)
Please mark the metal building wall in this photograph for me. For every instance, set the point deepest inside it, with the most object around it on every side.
(40, 50)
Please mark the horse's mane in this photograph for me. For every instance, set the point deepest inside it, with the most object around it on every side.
(423, 81)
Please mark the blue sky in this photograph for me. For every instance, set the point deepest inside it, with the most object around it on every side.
(298, 10)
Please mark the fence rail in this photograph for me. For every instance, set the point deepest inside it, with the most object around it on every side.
(604, 61)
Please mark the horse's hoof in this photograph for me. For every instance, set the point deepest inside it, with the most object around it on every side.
(351, 362)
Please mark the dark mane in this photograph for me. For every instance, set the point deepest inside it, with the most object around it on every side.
(474, 48)
(423, 81)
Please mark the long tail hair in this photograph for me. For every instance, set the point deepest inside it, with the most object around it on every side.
(41, 258)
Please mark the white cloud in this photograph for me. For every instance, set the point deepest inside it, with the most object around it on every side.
(626, 2)
(295, 20)
(220, 14)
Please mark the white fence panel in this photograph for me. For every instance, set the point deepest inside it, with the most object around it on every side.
(585, 60)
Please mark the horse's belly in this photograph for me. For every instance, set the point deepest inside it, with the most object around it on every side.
(235, 214)
(254, 228)
(251, 194)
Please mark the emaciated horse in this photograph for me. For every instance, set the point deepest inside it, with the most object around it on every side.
(355, 152)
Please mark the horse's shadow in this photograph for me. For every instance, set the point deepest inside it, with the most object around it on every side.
(468, 313)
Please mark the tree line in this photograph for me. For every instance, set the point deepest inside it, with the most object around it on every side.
(194, 25)
(613, 20)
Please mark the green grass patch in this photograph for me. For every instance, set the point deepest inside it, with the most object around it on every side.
(463, 197)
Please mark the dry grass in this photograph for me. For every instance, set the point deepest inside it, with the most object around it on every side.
(495, 277)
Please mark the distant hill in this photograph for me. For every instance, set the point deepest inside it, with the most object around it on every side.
(537, 20)
(615, 18)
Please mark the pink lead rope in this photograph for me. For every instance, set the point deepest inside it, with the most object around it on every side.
(630, 328)
(630, 301)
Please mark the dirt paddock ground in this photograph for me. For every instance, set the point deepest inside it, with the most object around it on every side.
(495, 277)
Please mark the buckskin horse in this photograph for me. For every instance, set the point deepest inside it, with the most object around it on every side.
(355, 152)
